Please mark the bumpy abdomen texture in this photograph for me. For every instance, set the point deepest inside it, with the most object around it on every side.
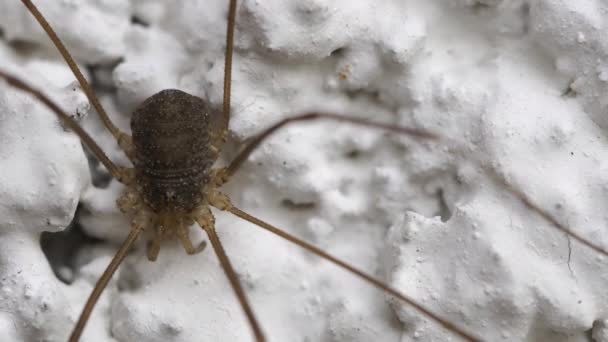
(172, 149)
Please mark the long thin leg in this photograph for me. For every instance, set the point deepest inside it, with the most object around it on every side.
(541, 212)
(257, 140)
(223, 175)
(206, 220)
(123, 139)
(120, 173)
(138, 225)
(228, 62)
(222, 202)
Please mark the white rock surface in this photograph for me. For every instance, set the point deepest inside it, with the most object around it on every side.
(520, 83)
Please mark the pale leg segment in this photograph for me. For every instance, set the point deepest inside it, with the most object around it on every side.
(129, 202)
(153, 247)
(182, 234)
(167, 226)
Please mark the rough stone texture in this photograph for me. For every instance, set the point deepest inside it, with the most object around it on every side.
(521, 84)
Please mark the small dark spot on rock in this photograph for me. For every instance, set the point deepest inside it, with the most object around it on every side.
(171, 329)
(338, 52)
(289, 204)
(353, 154)
(135, 20)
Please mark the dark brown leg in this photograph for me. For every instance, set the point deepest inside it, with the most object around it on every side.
(541, 212)
(222, 202)
(139, 224)
(124, 140)
(228, 65)
(223, 175)
(218, 127)
(122, 174)
(205, 219)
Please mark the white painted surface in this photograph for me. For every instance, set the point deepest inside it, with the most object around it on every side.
(492, 75)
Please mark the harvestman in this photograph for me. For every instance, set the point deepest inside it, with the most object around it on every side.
(175, 142)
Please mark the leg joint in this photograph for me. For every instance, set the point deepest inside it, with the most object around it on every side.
(219, 200)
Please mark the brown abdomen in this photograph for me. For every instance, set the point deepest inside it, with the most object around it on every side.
(173, 155)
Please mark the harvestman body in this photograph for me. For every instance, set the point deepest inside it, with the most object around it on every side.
(176, 140)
